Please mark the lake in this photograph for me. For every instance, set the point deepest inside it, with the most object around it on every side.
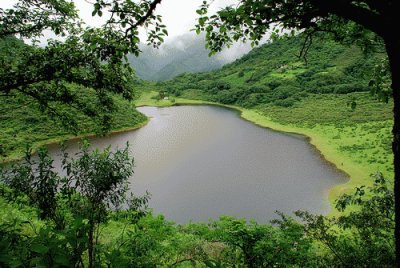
(199, 162)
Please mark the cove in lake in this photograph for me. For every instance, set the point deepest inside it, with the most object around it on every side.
(200, 162)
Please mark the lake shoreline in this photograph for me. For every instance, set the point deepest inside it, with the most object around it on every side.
(250, 115)
(245, 170)
(354, 174)
(71, 137)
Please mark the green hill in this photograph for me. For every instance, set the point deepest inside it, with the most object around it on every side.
(274, 74)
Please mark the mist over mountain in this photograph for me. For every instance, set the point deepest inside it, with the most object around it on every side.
(182, 54)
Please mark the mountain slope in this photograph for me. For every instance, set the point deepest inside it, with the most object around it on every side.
(274, 74)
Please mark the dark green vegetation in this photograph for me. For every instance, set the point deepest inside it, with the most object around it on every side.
(73, 205)
(66, 221)
(92, 59)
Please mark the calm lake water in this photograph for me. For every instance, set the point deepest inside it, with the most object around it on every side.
(199, 162)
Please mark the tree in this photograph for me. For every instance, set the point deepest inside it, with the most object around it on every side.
(90, 57)
(101, 177)
(364, 21)
(76, 203)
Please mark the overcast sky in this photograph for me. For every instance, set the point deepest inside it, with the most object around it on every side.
(178, 15)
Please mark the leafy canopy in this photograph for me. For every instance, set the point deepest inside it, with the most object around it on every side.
(88, 56)
(251, 20)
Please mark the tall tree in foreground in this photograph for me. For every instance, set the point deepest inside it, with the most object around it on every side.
(90, 57)
(363, 21)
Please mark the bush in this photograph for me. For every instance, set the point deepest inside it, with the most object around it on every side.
(362, 237)
(285, 102)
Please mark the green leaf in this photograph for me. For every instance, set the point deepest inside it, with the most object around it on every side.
(38, 248)
(61, 260)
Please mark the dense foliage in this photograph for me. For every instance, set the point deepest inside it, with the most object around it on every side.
(72, 205)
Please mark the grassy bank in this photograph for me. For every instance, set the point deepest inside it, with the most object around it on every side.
(355, 141)
(341, 147)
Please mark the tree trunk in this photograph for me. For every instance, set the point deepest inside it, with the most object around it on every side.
(393, 50)
(91, 243)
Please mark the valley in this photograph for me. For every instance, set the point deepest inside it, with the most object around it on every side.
(114, 154)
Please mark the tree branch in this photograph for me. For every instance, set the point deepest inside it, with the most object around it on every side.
(152, 7)
(143, 19)
(345, 9)
(306, 45)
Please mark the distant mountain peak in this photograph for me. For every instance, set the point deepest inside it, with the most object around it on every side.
(182, 54)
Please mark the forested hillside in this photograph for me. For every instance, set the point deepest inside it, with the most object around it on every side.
(274, 74)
